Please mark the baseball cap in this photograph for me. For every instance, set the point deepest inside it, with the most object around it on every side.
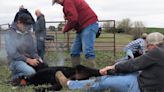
(155, 38)
(144, 35)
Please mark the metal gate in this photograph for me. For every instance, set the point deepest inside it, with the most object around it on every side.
(55, 39)
(106, 41)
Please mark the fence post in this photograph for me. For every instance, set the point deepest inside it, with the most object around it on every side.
(114, 40)
(0, 37)
(8, 25)
(68, 40)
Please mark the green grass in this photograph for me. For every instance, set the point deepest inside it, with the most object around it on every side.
(149, 30)
(122, 39)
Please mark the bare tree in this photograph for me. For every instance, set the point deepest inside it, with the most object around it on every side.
(138, 29)
(108, 26)
(125, 25)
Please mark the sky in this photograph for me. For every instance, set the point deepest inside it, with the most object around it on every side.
(150, 12)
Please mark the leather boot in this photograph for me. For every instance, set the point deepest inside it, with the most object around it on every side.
(91, 63)
(61, 78)
(75, 61)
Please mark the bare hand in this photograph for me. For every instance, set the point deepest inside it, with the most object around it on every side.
(33, 62)
(103, 71)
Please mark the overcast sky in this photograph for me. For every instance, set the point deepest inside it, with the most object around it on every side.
(150, 12)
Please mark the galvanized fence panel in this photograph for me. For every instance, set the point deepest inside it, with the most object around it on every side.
(56, 40)
(106, 41)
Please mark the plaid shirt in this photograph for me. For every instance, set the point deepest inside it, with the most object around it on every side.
(136, 45)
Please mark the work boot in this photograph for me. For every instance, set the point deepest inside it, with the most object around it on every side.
(91, 63)
(75, 61)
(61, 78)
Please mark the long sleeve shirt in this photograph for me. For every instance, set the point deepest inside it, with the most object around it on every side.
(152, 66)
(78, 15)
(19, 46)
(136, 45)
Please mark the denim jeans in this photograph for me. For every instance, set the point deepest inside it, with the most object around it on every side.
(20, 68)
(118, 83)
(129, 53)
(41, 48)
(84, 42)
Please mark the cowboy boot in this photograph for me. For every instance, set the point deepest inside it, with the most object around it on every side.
(75, 61)
(91, 63)
(61, 78)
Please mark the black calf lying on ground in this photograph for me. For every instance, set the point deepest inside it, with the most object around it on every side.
(47, 75)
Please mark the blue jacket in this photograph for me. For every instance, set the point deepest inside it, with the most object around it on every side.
(19, 46)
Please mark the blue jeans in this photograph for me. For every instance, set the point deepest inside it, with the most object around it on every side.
(20, 68)
(118, 83)
(129, 53)
(84, 42)
(41, 48)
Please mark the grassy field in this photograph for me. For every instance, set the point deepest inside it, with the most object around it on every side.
(53, 58)
(149, 30)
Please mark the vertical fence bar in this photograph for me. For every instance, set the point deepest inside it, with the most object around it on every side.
(0, 38)
(68, 41)
(114, 33)
(8, 25)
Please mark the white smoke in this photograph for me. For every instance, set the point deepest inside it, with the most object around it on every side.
(3, 54)
(61, 58)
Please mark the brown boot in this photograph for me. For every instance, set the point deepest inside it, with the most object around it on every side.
(91, 63)
(61, 78)
(75, 61)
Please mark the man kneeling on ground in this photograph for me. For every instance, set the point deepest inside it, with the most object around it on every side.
(21, 49)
